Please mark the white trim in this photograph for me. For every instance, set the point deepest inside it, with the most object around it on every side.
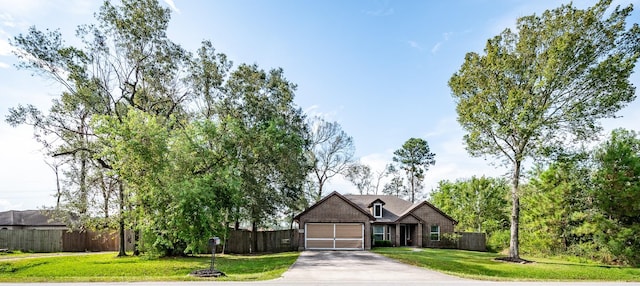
(375, 206)
(384, 231)
(431, 232)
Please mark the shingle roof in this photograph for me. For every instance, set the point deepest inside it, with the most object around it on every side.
(334, 193)
(27, 218)
(394, 207)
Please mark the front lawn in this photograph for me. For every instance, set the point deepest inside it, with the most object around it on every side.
(481, 265)
(108, 267)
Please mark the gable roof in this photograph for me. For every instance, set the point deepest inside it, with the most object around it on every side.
(334, 194)
(392, 209)
(27, 218)
(418, 205)
(395, 209)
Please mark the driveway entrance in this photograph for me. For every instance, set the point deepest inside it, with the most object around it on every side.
(343, 266)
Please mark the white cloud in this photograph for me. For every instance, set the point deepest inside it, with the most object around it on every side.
(452, 160)
(414, 45)
(172, 5)
(7, 21)
(6, 205)
(4, 65)
(436, 48)
(445, 36)
(315, 111)
(5, 47)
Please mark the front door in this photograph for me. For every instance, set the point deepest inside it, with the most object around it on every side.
(405, 235)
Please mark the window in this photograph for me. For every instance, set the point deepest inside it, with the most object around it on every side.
(378, 232)
(435, 232)
(377, 210)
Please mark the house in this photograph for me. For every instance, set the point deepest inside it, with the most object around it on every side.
(29, 219)
(355, 222)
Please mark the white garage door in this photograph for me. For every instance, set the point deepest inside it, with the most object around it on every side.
(338, 236)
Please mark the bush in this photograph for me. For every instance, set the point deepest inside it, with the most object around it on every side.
(382, 243)
(498, 240)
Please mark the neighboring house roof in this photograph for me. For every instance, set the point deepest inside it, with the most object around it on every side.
(27, 218)
(395, 209)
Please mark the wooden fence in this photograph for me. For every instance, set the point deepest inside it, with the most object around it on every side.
(60, 240)
(31, 240)
(472, 241)
(239, 241)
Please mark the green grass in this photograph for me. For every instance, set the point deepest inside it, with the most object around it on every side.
(481, 265)
(108, 267)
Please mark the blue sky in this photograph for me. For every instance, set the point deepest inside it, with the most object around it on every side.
(379, 68)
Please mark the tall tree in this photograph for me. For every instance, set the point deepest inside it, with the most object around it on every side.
(555, 202)
(545, 84)
(378, 177)
(617, 194)
(332, 152)
(270, 138)
(414, 158)
(396, 186)
(126, 60)
(360, 175)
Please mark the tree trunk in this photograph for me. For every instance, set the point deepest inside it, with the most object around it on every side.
(122, 249)
(58, 188)
(83, 184)
(514, 248)
(413, 189)
(319, 196)
(254, 236)
(136, 242)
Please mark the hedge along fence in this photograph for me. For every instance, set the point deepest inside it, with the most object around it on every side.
(30, 240)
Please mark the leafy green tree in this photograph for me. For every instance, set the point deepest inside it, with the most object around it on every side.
(617, 194)
(270, 138)
(414, 158)
(546, 83)
(478, 204)
(126, 60)
(555, 203)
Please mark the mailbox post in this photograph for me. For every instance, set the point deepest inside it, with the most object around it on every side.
(213, 242)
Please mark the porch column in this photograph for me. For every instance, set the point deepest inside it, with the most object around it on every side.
(397, 238)
(419, 235)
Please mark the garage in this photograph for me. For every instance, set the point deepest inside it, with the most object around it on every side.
(334, 236)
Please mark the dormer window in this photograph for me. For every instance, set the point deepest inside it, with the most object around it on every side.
(377, 210)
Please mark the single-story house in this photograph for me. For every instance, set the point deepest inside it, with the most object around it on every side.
(355, 222)
(29, 219)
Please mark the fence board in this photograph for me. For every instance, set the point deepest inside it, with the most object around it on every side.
(31, 240)
(472, 241)
(39, 240)
(239, 241)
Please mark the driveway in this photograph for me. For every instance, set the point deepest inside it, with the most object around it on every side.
(357, 266)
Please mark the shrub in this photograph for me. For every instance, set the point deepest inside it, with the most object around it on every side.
(382, 243)
(498, 240)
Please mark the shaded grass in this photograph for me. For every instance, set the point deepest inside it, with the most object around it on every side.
(481, 265)
(108, 267)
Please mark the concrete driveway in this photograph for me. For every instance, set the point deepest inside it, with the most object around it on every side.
(358, 266)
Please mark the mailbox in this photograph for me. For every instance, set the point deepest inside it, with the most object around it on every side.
(214, 241)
